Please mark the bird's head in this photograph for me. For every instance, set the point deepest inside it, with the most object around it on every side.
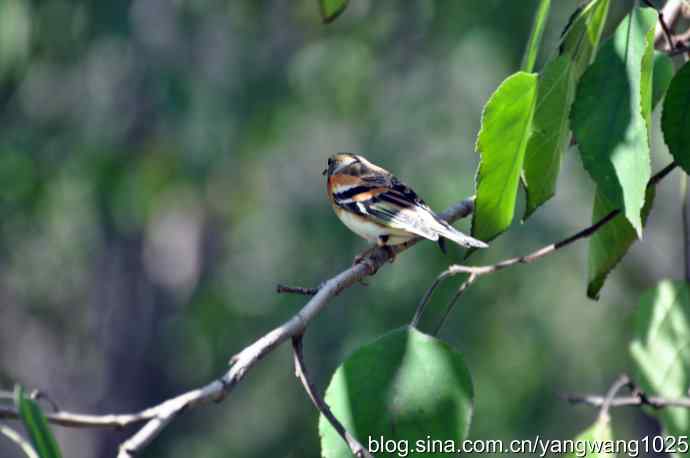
(341, 161)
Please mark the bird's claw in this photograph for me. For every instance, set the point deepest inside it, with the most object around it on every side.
(391, 253)
(363, 258)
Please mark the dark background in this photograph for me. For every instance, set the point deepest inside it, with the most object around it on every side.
(160, 172)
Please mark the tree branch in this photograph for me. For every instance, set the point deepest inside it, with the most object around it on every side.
(17, 438)
(296, 290)
(477, 271)
(638, 398)
(466, 284)
(622, 381)
(657, 402)
(156, 418)
(301, 373)
(664, 30)
(664, 39)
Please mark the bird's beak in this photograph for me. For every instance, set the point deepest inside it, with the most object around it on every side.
(324, 171)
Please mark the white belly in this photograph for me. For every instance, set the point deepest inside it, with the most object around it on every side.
(371, 231)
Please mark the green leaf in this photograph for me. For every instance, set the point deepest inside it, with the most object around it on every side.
(675, 120)
(663, 74)
(331, 9)
(534, 42)
(647, 78)
(551, 132)
(502, 141)
(557, 84)
(404, 386)
(36, 425)
(609, 244)
(581, 37)
(609, 118)
(596, 439)
(661, 350)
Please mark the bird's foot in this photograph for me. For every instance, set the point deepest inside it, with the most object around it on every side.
(391, 253)
(365, 258)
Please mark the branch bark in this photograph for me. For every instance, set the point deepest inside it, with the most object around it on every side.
(622, 381)
(476, 271)
(657, 402)
(301, 373)
(17, 438)
(156, 418)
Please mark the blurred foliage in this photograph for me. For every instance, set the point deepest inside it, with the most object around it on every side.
(662, 331)
(160, 169)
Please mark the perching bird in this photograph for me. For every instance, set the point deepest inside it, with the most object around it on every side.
(377, 206)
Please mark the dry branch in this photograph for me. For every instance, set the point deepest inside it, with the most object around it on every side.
(156, 418)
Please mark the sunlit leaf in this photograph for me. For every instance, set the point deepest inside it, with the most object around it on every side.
(609, 244)
(661, 350)
(551, 132)
(675, 120)
(502, 141)
(557, 83)
(609, 118)
(36, 425)
(582, 36)
(404, 386)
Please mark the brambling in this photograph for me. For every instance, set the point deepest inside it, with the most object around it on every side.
(377, 206)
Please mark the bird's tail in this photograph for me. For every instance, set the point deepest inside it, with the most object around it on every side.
(461, 239)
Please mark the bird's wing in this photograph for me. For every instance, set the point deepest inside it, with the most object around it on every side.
(387, 200)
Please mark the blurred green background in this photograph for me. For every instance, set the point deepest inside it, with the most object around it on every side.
(160, 173)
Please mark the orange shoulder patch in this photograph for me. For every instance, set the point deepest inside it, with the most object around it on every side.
(362, 196)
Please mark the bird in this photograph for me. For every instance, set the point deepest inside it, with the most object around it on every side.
(374, 204)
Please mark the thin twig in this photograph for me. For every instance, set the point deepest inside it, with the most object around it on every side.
(302, 375)
(622, 381)
(17, 438)
(466, 284)
(157, 417)
(38, 395)
(657, 402)
(425, 299)
(296, 290)
(664, 27)
(478, 271)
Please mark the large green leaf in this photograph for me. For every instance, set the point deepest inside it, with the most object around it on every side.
(551, 132)
(675, 120)
(609, 118)
(404, 386)
(661, 350)
(534, 42)
(594, 441)
(331, 9)
(582, 36)
(647, 75)
(609, 244)
(506, 128)
(557, 84)
(36, 425)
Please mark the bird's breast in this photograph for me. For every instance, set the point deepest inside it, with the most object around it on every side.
(371, 230)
